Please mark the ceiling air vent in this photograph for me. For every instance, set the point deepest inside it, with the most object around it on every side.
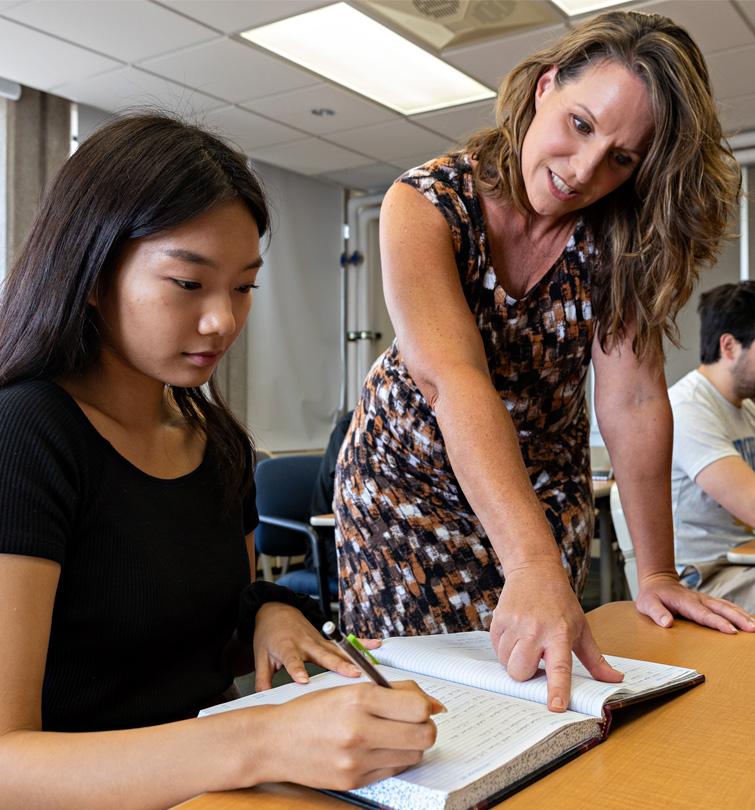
(437, 9)
(442, 24)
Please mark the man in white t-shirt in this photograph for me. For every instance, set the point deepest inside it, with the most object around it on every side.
(713, 470)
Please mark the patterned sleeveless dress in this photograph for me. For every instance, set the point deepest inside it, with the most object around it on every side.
(413, 557)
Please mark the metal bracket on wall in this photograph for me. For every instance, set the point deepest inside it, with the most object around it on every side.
(355, 259)
(363, 334)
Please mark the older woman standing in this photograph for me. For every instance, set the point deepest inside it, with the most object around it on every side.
(571, 232)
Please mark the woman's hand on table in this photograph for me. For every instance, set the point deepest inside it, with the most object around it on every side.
(662, 596)
(349, 736)
(538, 616)
(284, 638)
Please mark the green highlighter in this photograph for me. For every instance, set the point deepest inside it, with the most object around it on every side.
(355, 642)
(357, 652)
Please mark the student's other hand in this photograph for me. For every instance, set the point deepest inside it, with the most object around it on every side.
(284, 638)
(538, 616)
(351, 735)
(661, 596)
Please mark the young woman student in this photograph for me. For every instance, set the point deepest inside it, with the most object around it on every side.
(572, 231)
(126, 493)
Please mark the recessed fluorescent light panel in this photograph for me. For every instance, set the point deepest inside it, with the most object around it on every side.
(348, 47)
(576, 7)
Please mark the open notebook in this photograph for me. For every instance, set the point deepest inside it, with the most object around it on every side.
(498, 734)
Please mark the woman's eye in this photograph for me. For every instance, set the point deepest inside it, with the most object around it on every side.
(247, 288)
(581, 125)
(186, 285)
(623, 160)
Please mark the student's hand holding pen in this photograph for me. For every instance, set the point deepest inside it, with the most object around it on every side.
(349, 736)
(343, 737)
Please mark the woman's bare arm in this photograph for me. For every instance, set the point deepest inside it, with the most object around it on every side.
(635, 419)
(443, 351)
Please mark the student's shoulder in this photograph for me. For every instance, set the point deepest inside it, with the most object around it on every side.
(692, 391)
(40, 409)
(33, 396)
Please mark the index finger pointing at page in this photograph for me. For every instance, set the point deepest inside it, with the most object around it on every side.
(557, 659)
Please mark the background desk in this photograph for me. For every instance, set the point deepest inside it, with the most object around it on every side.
(601, 493)
(695, 750)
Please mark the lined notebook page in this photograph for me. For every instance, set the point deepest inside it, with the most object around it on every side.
(469, 658)
(480, 732)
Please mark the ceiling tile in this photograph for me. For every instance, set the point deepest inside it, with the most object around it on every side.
(714, 26)
(38, 60)
(6, 4)
(459, 122)
(248, 130)
(312, 156)
(229, 70)
(234, 16)
(738, 114)
(732, 72)
(295, 108)
(131, 87)
(391, 140)
(126, 29)
(410, 161)
(490, 61)
(748, 7)
(375, 177)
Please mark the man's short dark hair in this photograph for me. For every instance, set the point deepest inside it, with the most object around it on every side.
(729, 308)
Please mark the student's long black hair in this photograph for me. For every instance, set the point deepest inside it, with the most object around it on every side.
(138, 175)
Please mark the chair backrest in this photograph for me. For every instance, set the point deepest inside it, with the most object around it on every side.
(284, 489)
(625, 541)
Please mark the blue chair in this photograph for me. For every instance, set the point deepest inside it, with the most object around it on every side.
(284, 489)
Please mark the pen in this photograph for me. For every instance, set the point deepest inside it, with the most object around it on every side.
(330, 631)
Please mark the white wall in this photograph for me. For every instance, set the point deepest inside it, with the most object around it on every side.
(681, 361)
(293, 330)
(3, 186)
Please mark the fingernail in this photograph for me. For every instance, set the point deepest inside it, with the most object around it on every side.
(557, 703)
(439, 708)
(666, 620)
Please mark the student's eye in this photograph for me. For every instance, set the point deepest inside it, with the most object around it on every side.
(186, 285)
(581, 125)
(245, 289)
(623, 160)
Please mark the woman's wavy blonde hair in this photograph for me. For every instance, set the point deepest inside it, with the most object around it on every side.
(655, 231)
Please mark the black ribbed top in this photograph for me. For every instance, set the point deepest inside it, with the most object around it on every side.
(151, 569)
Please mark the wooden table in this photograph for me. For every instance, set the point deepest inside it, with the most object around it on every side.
(694, 750)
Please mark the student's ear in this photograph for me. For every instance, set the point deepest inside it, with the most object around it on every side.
(545, 84)
(729, 347)
(93, 299)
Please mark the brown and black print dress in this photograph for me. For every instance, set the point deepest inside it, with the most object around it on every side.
(413, 557)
